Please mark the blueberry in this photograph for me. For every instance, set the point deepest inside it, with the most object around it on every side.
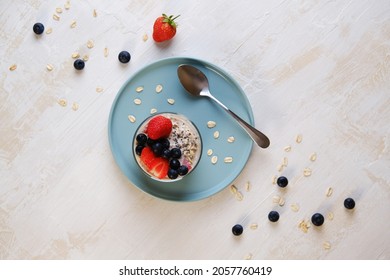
(165, 142)
(174, 164)
(282, 182)
(317, 219)
(176, 153)
(138, 149)
(349, 203)
(183, 170)
(150, 142)
(273, 216)
(141, 139)
(157, 148)
(237, 229)
(79, 64)
(172, 174)
(38, 28)
(166, 153)
(124, 56)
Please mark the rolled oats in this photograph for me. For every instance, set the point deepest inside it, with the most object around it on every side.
(131, 118)
(94, 13)
(326, 245)
(137, 101)
(99, 89)
(62, 102)
(75, 106)
(49, 67)
(105, 52)
(75, 55)
(56, 17)
(86, 57)
(239, 196)
(13, 67)
(329, 191)
(73, 24)
(298, 138)
(306, 172)
(248, 186)
(233, 189)
(295, 207)
(58, 10)
(49, 30)
(211, 124)
(139, 89)
(209, 152)
(228, 159)
(216, 134)
(145, 37)
(153, 111)
(90, 44)
(214, 159)
(313, 156)
(171, 101)
(287, 148)
(231, 139)
(254, 226)
(304, 226)
(159, 88)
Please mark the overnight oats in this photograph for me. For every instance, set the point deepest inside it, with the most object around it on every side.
(167, 146)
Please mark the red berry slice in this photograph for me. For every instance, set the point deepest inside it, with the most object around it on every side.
(147, 157)
(159, 167)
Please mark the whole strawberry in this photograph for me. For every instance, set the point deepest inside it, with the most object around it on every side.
(159, 127)
(164, 28)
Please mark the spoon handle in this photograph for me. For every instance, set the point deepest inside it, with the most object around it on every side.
(257, 136)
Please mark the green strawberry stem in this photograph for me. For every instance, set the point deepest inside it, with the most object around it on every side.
(170, 20)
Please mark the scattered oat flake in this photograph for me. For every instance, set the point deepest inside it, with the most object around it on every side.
(49, 30)
(153, 111)
(330, 216)
(249, 256)
(139, 89)
(280, 167)
(171, 101)
(75, 55)
(94, 13)
(248, 186)
(145, 37)
(86, 57)
(306, 172)
(73, 24)
(276, 199)
(13, 67)
(329, 192)
(56, 17)
(228, 159)
(274, 179)
(49, 67)
(231, 139)
(281, 201)
(90, 44)
(159, 88)
(298, 139)
(304, 226)
(62, 102)
(99, 89)
(211, 124)
(233, 189)
(239, 196)
(216, 134)
(58, 10)
(67, 5)
(75, 106)
(131, 118)
(295, 207)
(287, 148)
(285, 162)
(326, 245)
(137, 101)
(254, 226)
(105, 52)
(214, 159)
(313, 156)
(209, 152)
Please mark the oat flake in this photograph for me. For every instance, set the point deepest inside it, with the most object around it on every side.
(274, 179)
(171, 101)
(239, 196)
(137, 101)
(131, 118)
(214, 159)
(145, 37)
(49, 30)
(230, 139)
(90, 44)
(139, 89)
(281, 201)
(75, 55)
(105, 52)
(67, 5)
(330, 216)
(304, 226)
(295, 207)
(73, 24)
(280, 167)
(254, 226)
(153, 111)
(326, 245)
(248, 186)
(298, 139)
(329, 192)
(228, 159)
(287, 148)
(86, 57)
(75, 106)
(62, 102)
(99, 89)
(56, 17)
(211, 124)
(94, 13)
(159, 88)
(233, 189)
(313, 156)
(216, 134)
(249, 256)
(276, 199)
(58, 10)
(306, 172)
(49, 67)
(13, 67)
(285, 162)
(209, 152)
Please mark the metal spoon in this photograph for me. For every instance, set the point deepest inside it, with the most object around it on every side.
(196, 83)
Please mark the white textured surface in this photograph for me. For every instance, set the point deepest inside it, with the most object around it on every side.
(316, 68)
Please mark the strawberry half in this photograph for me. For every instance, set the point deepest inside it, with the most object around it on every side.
(147, 157)
(159, 167)
(159, 127)
(164, 28)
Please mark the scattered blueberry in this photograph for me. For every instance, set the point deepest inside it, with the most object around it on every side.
(166, 153)
(124, 56)
(79, 64)
(282, 182)
(138, 149)
(150, 142)
(317, 219)
(38, 28)
(141, 139)
(157, 148)
(172, 174)
(176, 153)
(174, 163)
(237, 229)
(183, 170)
(349, 203)
(273, 216)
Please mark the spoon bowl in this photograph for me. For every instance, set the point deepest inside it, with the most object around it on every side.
(196, 84)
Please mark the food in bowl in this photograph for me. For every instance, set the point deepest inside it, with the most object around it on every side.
(167, 146)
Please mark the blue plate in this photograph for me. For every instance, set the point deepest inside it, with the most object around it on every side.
(208, 178)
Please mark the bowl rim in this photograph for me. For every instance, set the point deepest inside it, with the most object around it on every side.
(166, 180)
